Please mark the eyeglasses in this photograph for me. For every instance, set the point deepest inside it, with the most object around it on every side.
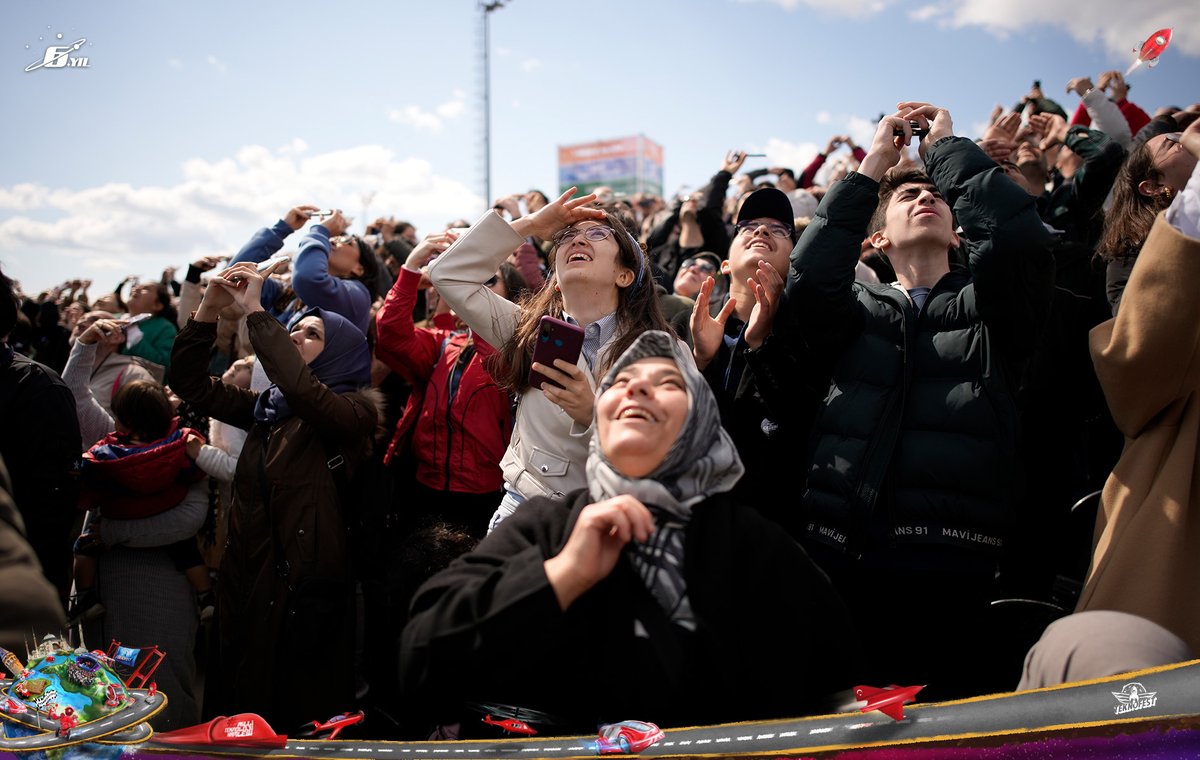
(776, 230)
(1175, 137)
(704, 265)
(594, 234)
(492, 281)
(343, 240)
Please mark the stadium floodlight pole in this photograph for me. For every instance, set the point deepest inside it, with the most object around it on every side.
(486, 8)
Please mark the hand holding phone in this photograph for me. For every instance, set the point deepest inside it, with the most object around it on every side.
(556, 339)
(136, 319)
(917, 130)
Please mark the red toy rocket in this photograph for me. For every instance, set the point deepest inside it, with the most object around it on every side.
(1151, 49)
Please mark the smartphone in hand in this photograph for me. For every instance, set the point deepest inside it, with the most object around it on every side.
(556, 339)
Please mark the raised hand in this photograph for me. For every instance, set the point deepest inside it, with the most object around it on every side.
(1081, 85)
(1052, 127)
(884, 152)
(595, 544)
(935, 119)
(336, 223)
(576, 396)
(431, 246)
(767, 287)
(109, 331)
(708, 331)
(299, 216)
(733, 161)
(563, 211)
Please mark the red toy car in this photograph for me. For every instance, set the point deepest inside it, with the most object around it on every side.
(627, 737)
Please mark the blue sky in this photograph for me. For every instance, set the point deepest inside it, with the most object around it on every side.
(194, 124)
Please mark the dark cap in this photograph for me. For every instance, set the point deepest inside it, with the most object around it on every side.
(767, 203)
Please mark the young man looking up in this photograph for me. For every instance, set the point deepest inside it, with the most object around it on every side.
(913, 476)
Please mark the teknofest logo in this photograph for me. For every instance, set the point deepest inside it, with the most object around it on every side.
(1134, 697)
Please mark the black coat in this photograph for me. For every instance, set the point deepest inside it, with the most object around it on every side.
(771, 635)
(916, 440)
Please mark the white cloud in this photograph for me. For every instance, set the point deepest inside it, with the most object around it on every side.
(50, 233)
(503, 52)
(295, 147)
(530, 64)
(451, 109)
(794, 156)
(824, 117)
(175, 63)
(220, 66)
(1120, 26)
(413, 116)
(851, 8)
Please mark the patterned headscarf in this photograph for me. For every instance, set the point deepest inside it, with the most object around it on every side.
(701, 462)
(343, 365)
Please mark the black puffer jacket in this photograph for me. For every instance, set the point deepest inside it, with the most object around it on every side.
(916, 438)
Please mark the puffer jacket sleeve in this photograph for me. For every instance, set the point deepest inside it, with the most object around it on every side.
(820, 289)
(1009, 249)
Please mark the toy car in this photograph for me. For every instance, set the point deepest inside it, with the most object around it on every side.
(627, 737)
(330, 728)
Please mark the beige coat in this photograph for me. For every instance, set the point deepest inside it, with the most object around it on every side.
(1147, 544)
(548, 449)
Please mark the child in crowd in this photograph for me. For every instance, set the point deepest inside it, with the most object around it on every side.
(134, 479)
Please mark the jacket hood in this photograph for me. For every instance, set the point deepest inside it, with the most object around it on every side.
(119, 475)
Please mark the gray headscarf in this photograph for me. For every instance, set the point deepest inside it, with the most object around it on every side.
(701, 462)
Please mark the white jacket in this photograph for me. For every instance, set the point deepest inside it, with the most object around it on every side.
(548, 449)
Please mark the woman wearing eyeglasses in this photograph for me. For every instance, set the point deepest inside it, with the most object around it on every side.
(599, 282)
(1151, 176)
(332, 271)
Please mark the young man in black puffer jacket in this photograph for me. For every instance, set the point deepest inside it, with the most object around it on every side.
(914, 473)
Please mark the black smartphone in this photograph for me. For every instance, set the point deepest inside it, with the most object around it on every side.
(556, 339)
(917, 131)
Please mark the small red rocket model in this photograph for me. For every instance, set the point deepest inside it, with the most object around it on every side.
(1151, 49)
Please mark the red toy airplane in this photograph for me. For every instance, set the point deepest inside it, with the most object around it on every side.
(510, 725)
(889, 700)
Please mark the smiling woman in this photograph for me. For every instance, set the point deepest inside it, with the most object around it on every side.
(640, 594)
(600, 283)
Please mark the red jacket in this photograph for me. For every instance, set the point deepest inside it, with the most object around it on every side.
(459, 418)
(1136, 117)
(125, 481)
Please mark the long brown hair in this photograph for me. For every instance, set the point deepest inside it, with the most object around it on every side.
(637, 311)
(1127, 223)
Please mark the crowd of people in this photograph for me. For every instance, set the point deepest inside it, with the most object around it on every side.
(889, 428)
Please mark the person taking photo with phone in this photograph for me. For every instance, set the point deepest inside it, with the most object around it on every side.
(599, 282)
